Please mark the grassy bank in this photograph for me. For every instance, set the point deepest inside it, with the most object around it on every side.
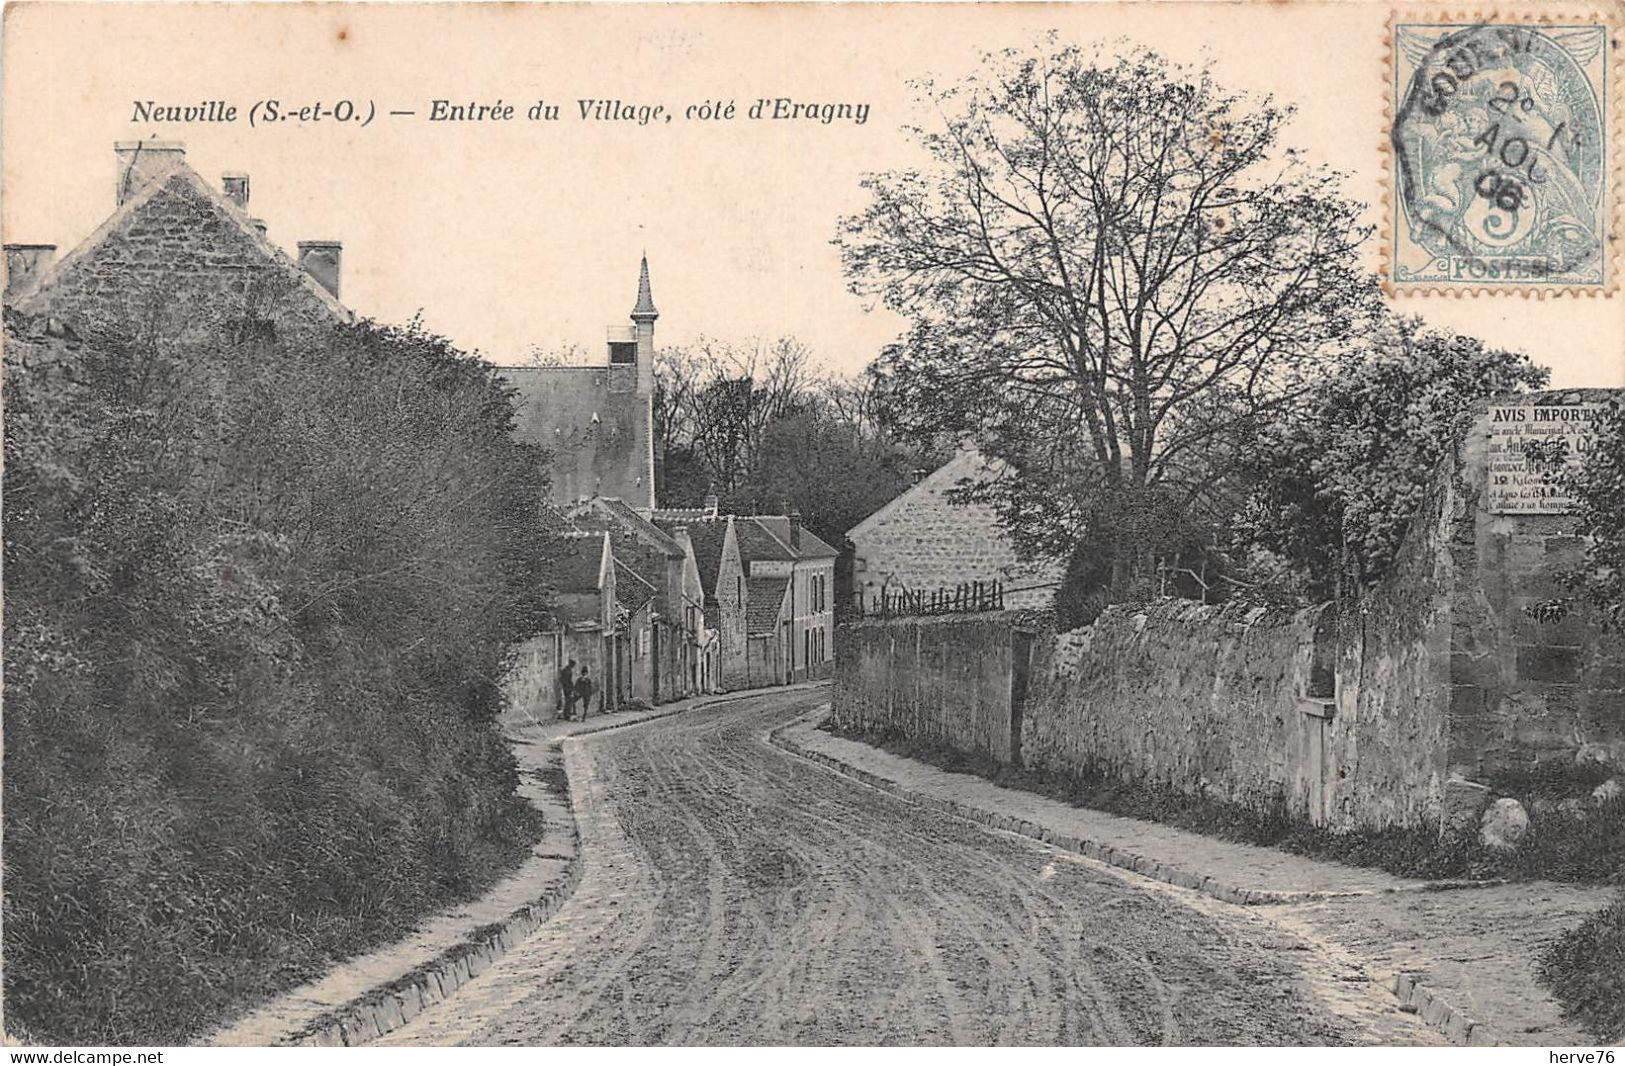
(1586, 971)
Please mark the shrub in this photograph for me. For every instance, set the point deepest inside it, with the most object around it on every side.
(257, 596)
(1586, 971)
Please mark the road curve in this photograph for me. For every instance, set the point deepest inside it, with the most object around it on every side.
(735, 894)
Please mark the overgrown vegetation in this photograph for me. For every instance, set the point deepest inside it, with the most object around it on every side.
(1585, 848)
(258, 594)
(1587, 971)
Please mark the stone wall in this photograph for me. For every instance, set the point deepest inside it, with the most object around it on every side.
(1209, 700)
(946, 678)
(1366, 713)
(1522, 691)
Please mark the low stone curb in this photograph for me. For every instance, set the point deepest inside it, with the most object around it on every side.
(1413, 997)
(1457, 1027)
(1127, 860)
(387, 1007)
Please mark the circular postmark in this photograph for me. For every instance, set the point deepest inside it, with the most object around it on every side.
(1500, 156)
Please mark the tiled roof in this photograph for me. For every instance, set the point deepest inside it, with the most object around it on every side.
(631, 591)
(764, 597)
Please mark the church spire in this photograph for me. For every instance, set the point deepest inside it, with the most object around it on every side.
(645, 308)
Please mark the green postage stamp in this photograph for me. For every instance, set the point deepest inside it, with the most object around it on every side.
(1502, 169)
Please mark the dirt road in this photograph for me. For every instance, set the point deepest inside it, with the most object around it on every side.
(735, 894)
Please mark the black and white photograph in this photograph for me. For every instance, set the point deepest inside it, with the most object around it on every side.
(881, 525)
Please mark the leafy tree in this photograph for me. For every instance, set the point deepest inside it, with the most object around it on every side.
(1113, 268)
(1340, 478)
(1597, 484)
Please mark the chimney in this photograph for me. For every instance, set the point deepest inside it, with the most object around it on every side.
(795, 530)
(235, 184)
(321, 260)
(24, 263)
(142, 162)
(710, 505)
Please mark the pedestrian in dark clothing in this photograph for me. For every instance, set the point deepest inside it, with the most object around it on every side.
(584, 692)
(567, 690)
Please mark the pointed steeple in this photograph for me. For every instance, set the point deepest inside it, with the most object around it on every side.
(645, 308)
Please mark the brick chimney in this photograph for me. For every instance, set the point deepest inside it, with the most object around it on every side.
(235, 184)
(24, 263)
(321, 260)
(710, 505)
(795, 530)
(142, 162)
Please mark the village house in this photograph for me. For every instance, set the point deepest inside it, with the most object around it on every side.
(669, 654)
(635, 676)
(924, 540)
(790, 616)
(180, 250)
(722, 580)
(588, 613)
(597, 421)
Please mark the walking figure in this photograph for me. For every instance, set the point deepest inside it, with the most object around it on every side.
(567, 689)
(584, 692)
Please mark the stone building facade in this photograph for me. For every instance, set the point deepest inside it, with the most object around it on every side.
(925, 540)
(598, 421)
(181, 251)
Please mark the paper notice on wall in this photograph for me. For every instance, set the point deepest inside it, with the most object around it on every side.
(1521, 483)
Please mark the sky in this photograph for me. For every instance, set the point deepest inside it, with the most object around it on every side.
(513, 235)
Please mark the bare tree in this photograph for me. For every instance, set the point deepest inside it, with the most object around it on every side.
(1112, 271)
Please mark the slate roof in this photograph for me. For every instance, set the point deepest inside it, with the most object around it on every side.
(707, 535)
(641, 527)
(764, 596)
(756, 541)
(576, 566)
(814, 547)
(631, 591)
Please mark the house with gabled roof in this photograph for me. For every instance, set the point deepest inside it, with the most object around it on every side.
(671, 650)
(180, 249)
(780, 547)
(927, 539)
(721, 575)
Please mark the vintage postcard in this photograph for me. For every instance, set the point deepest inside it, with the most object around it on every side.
(775, 524)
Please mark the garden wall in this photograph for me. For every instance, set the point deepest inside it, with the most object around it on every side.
(946, 678)
(1358, 714)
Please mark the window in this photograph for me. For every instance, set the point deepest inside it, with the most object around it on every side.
(739, 590)
(806, 647)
